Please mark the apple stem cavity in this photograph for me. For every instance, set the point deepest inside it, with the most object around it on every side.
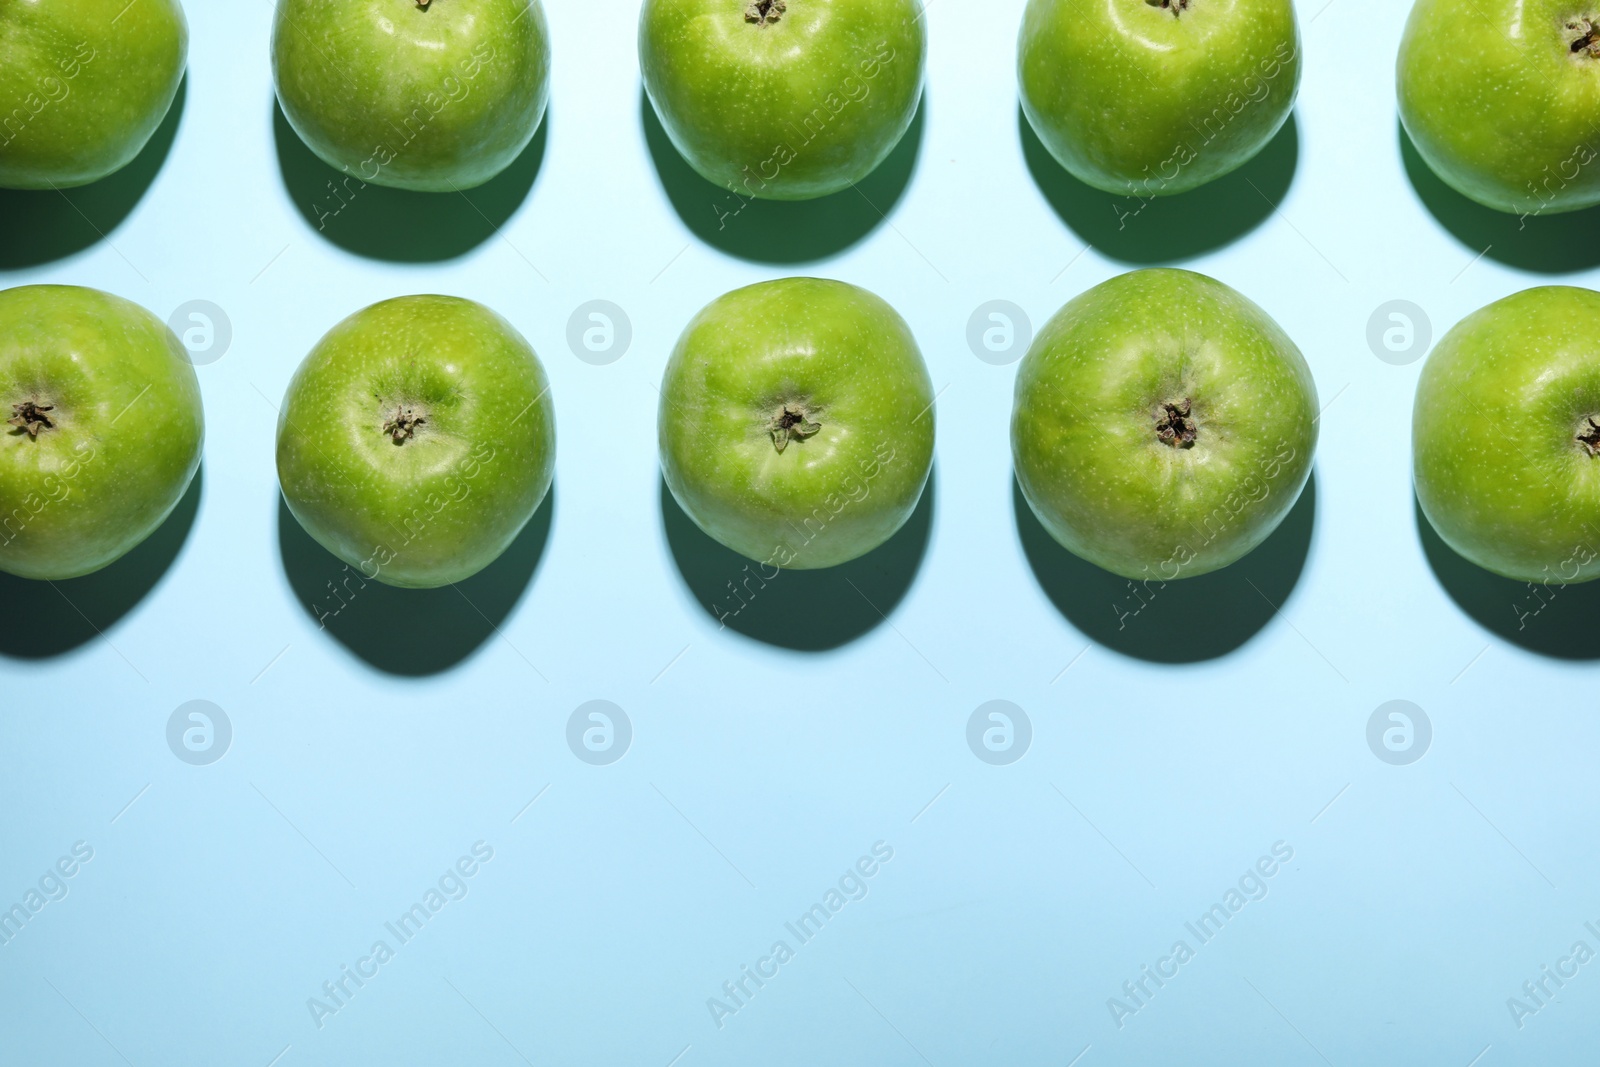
(765, 13)
(29, 417)
(1174, 428)
(404, 425)
(790, 424)
(1178, 7)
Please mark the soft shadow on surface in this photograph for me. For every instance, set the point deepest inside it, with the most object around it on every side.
(781, 231)
(1549, 244)
(412, 632)
(809, 611)
(1183, 621)
(63, 615)
(1168, 228)
(1552, 620)
(42, 225)
(396, 224)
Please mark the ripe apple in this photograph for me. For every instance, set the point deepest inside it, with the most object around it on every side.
(1155, 97)
(1505, 437)
(103, 429)
(86, 82)
(1163, 426)
(796, 422)
(417, 440)
(783, 99)
(1499, 96)
(431, 97)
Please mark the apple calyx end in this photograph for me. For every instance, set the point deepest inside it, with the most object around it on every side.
(1174, 428)
(403, 426)
(1588, 39)
(791, 423)
(1177, 7)
(1589, 438)
(765, 13)
(29, 417)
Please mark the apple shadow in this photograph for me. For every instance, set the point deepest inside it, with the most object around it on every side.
(1546, 244)
(781, 231)
(834, 612)
(1223, 609)
(410, 632)
(1166, 229)
(1552, 620)
(44, 225)
(90, 606)
(399, 225)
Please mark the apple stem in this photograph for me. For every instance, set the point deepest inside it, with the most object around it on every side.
(1590, 438)
(790, 424)
(1588, 39)
(29, 417)
(765, 12)
(1177, 7)
(1175, 429)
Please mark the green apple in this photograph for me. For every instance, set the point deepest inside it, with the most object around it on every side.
(432, 97)
(1501, 96)
(1164, 425)
(417, 440)
(84, 85)
(796, 422)
(103, 428)
(1506, 436)
(783, 99)
(1155, 97)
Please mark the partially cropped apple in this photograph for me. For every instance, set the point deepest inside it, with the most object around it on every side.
(1506, 436)
(103, 429)
(417, 440)
(433, 97)
(83, 85)
(1500, 98)
(783, 99)
(1163, 426)
(1155, 97)
(796, 422)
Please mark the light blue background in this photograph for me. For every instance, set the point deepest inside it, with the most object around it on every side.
(1020, 897)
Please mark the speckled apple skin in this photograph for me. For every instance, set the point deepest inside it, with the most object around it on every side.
(851, 360)
(1498, 104)
(127, 435)
(85, 84)
(432, 99)
(440, 504)
(793, 109)
(1136, 100)
(1090, 396)
(1499, 468)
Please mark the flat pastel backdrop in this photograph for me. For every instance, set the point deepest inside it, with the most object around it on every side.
(1167, 755)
